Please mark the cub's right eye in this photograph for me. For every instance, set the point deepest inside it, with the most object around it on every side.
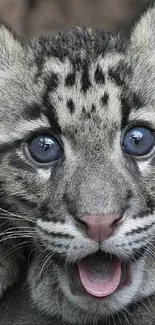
(45, 148)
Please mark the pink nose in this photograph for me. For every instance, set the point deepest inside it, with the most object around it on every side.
(100, 227)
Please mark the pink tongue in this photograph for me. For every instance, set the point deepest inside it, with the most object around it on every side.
(100, 275)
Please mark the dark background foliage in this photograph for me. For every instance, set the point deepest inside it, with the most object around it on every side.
(35, 17)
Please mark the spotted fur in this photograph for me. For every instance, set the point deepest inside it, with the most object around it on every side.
(86, 87)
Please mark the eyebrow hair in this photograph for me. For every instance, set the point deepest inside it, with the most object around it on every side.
(22, 130)
(50, 113)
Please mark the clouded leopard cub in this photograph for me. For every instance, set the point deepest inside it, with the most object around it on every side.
(77, 158)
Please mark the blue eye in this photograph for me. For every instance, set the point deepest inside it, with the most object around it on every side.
(138, 141)
(45, 148)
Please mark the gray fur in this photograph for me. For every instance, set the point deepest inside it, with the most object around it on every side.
(87, 85)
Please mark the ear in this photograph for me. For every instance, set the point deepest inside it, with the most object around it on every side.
(143, 33)
(10, 46)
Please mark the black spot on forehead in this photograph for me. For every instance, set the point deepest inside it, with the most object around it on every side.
(85, 79)
(104, 99)
(99, 75)
(70, 105)
(70, 79)
(32, 112)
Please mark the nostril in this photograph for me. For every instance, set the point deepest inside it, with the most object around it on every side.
(80, 223)
(118, 221)
(115, 223)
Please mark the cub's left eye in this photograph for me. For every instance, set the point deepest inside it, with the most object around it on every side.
(45, 148)
(138, 141)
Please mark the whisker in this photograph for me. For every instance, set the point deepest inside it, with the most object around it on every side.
(126, 314)
(17, 229)
(45, 260)
(6, 213)
(10, 251)
(29, 256)
(13, 235)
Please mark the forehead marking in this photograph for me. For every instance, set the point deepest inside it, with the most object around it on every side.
(78, 92)
(70, 105)
(32, 111)
(99, 75)
(85, 78)
(104, 99)
(70, 79)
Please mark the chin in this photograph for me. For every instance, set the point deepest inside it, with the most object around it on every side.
(99, 298)
(78, 293)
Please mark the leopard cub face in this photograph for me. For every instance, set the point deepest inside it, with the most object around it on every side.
(77, 146)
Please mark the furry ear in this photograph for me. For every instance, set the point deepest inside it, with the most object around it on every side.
(10, 46)
(143, 33)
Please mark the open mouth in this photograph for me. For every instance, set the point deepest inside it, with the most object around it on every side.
(99, 275)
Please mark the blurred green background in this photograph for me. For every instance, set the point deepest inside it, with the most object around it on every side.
(34, 17)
